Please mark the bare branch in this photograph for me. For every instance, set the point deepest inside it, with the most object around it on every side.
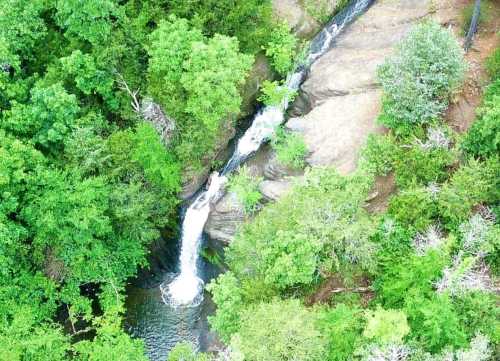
(133, 94)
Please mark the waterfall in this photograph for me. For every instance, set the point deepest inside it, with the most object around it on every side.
(186, 288)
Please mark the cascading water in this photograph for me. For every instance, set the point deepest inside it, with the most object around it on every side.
(186, 288)
(165, 315)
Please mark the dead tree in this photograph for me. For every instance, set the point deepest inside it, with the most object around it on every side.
(150, 111)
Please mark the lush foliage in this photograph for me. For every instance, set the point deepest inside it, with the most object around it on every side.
(272, 93)
(483, 138)
(290, 148)
(85, 183)
(287, 324)
(196, 80)
(414, 281)
(281, 49)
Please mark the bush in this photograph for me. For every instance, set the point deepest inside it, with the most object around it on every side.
(386, 326)
(419, 166)
(434, 322)
(410, 276)
(342, 327)
(246, 188)
(290, 148)
(279, 331)
(483, 138)
(281, 48)
(379, 154)
(272, 93)
(319, 225)
(418, 80)
(472, 184)
(414, 208)
(185, 351)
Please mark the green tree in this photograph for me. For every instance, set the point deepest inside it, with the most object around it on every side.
(227, 295)
(47, 119)
(386, 326)
(281, 48)
(342, 326)
(246, 188)
(87, 20)
(21, 25)
(211, 79)
(279, 330)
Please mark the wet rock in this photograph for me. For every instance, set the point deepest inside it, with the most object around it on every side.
(225, 218)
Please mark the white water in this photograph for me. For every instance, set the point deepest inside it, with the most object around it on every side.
(186, 288)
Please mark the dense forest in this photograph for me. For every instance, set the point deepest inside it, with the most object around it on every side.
(109, 107)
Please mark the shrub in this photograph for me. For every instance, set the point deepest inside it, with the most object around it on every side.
(281, 48)
(342, 327)
(418, 80)
(318, 225)
(394, 241)
(246, 188)
(185, 351)
(379, 154)
(414, 208)
(479, 313)
(419, 166)
(483, 138)
(472, 184)
(279, 331)
(386, 326)
(272, 93)
(290, 148)
(434, 322)
(410, 276)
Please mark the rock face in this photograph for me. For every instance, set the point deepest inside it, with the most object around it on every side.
(341, 92)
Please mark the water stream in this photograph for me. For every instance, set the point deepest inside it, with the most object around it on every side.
(180, 296)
